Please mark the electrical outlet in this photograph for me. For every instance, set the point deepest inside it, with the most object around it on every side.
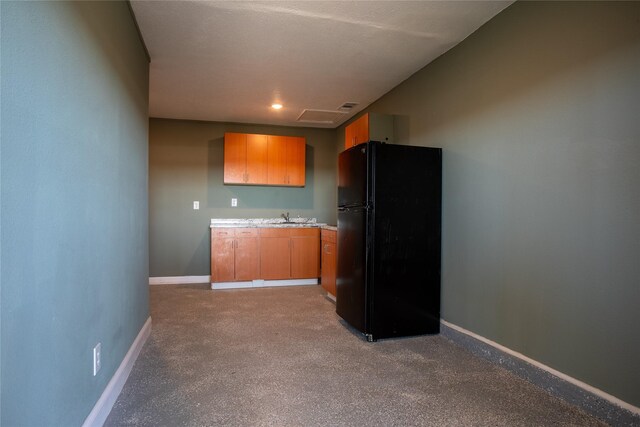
(234, 203)
(196, 205)
(96, 359)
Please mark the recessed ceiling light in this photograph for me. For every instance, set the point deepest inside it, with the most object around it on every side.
(276, 106)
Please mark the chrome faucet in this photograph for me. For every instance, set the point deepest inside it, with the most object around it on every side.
(286, 217)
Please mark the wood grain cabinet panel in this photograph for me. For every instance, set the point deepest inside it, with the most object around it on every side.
(243, 254)
(235, 254)
(222, 259)
(349, 135)
(357, 132)
(305, 253)
(256, 159)
(369, 126)
(235, 158)
(251, 159)
(289, 253)
(247, 257)
(277, 160)
(296, 169)
(275, 261)
(245, 158)
(286, 161)
(328, 261)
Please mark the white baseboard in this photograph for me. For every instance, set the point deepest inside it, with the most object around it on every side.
(603, 395)
(178, 280)
(263, 283)
(102, 408)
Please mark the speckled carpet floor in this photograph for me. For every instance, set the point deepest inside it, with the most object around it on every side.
(282, 357)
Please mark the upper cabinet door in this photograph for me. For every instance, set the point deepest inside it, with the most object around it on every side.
(370, 127)
(296, 161)
(362, 129)
(357, 132)
(256, 159)
(349, 136)
(251, 159)
(235, 158)
(286, 156)
(277, 160)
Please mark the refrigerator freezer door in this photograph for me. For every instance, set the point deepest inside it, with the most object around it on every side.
(351, 278)
(352, 176)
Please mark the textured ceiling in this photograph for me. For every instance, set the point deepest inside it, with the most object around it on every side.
(229, 61)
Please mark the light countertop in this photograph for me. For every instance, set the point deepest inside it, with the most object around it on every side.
(266, 223)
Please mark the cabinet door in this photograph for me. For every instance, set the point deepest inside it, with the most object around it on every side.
(222, 256)
(247, 258)
(275, 259)
(256, 159)
(235, 158)
(247, 254)
(305, 253)
(277, 160)
(295, 156)
(357, 132)
(349, 135)
(328, 278)
(363, 129)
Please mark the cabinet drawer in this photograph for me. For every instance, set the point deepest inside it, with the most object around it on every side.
(328, 236)
(305, 232)
(221, 232)
(233, 232)
(246, 232)
(275, 232)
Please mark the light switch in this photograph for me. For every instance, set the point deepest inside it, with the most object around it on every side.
(234, 202)
(196, 205)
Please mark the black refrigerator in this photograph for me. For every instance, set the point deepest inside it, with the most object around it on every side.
(389, 216)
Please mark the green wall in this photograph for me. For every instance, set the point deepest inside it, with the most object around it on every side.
(186, 164)
(74, 244)
(538, 117)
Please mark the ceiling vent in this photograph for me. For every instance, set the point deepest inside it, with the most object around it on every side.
(320, 116)
(347, 107)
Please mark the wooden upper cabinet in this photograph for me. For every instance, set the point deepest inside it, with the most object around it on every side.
(277, 160)
(286, 157)
(251, 159)
(362, 130)
(256, 159)
(369, 127)
(349, 135)
(357, 132)
(296, 161)
(245, 158)
(235, 158)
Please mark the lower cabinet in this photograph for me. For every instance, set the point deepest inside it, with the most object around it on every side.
(275, 249)
(328, 277)
(242, 254)
(305, 253)
(234, 254)
(289, 253)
